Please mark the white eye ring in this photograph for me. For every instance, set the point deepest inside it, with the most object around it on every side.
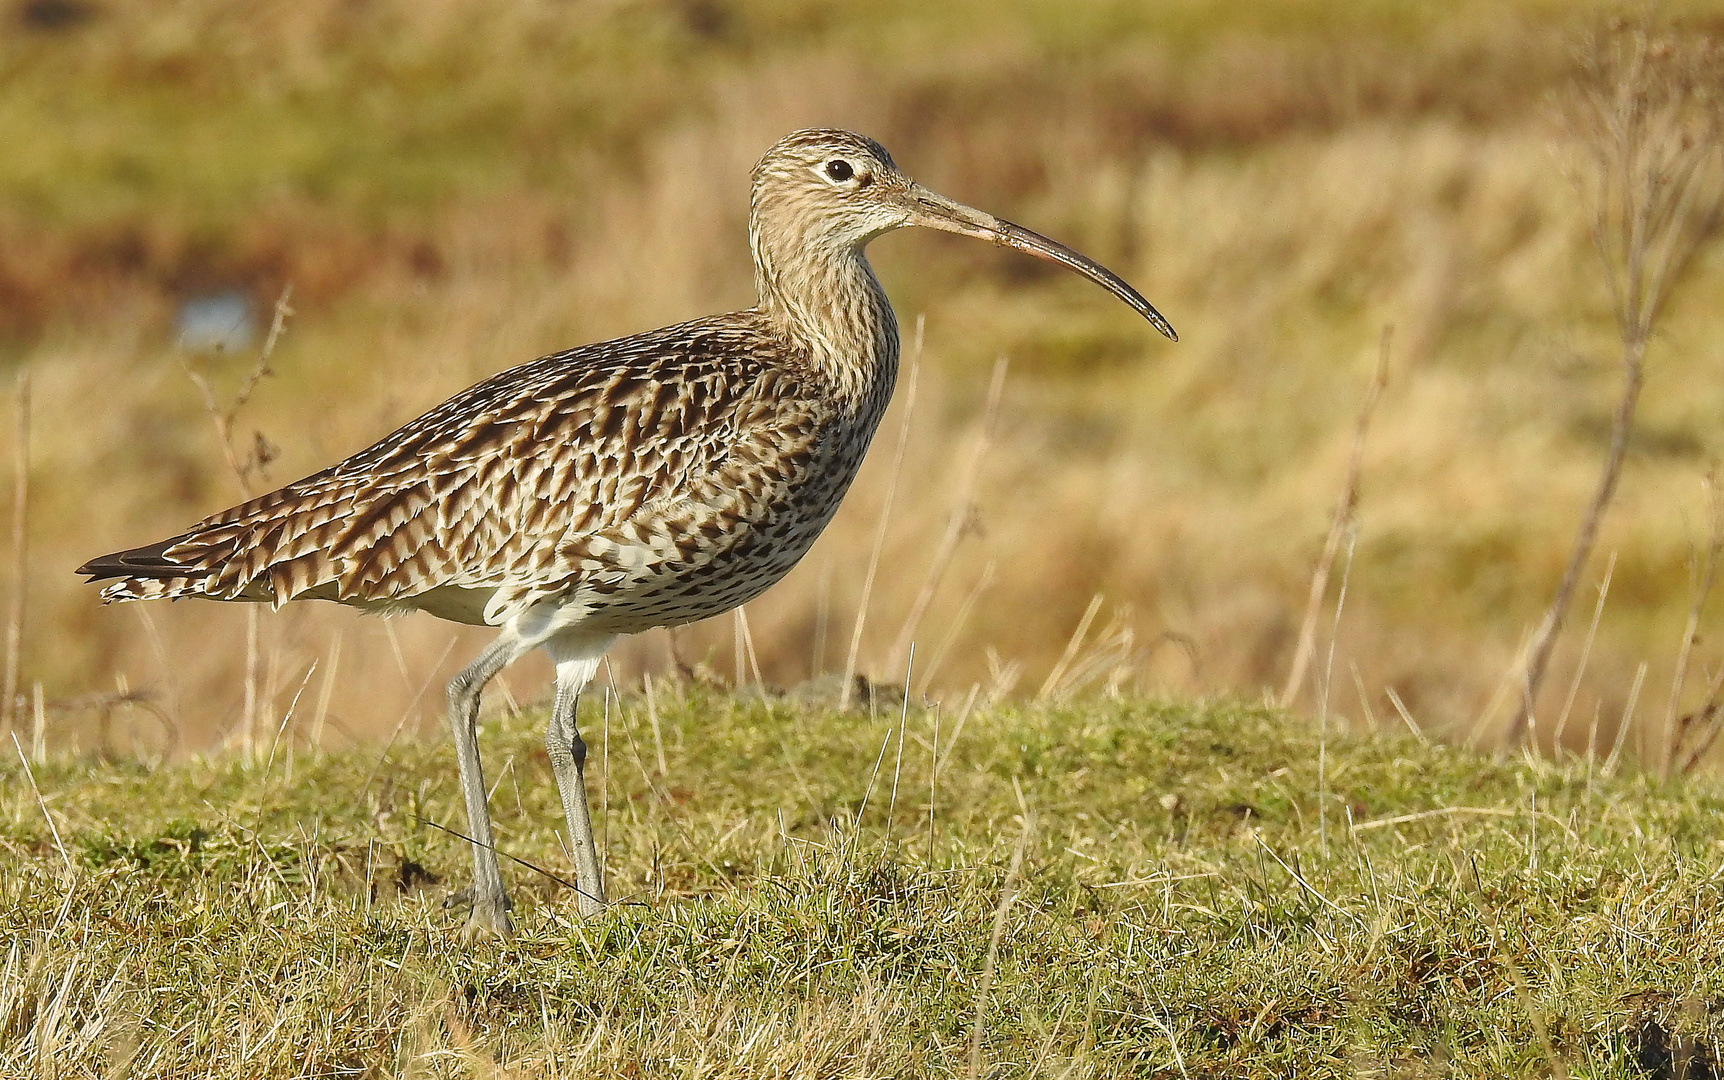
(839, 171)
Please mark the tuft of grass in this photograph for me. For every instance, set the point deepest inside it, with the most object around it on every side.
(1174, 909)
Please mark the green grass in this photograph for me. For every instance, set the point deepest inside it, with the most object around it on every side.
(1190, 900)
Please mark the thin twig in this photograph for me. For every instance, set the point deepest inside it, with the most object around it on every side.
(535, 868)
(243, 469)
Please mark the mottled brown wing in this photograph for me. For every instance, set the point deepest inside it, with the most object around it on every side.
(495, 486)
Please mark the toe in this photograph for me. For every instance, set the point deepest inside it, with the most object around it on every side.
(487, 921)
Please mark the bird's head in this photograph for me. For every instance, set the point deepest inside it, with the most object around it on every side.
(825, 193)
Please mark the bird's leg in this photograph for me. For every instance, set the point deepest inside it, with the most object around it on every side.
(490, 912)
(569, 764)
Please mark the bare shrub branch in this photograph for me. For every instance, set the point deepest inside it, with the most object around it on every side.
(1643, 121)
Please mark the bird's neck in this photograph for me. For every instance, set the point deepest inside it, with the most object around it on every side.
(833, 307)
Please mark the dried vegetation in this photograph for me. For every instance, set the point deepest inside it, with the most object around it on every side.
(450, 189)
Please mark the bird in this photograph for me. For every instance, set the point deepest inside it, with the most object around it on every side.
(648, 481)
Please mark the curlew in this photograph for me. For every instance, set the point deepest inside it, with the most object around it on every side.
(649, 481)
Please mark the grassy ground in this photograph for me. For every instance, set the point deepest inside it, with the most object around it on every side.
(1098, 890)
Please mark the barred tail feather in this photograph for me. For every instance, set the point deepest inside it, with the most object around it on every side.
(146, 573)
(153, 589)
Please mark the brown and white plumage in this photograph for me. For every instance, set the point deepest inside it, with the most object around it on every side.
(620, 476)
(648, 481)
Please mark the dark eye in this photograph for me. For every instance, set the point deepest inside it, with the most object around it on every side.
(839, 170)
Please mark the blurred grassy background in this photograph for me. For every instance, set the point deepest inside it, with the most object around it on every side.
(452, 187)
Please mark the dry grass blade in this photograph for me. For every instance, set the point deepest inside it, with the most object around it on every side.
(1585, 654)
(1407, 716)
(1323, 698)
(898, 762)
(326, 691)
(1345, 511)
(38, 725)
(1627, 720)
(30, 775)
(885, 521)
(652, 718)
(959, 620)
(1523, 993)
(1702, 570)
(1051, 685)
(745, 651)
(957, 524)
(20, 568)
(287, 717)
(1008, 893)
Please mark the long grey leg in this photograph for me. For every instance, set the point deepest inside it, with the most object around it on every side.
(490, 914)
(569, 763)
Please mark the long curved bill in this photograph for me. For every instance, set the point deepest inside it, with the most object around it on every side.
(938, 212)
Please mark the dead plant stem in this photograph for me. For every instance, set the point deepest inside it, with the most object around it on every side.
(958, 523)
(1338, 526)
(20, 568)
(1544, 639)
(1703, 569)
(851, 660)
(1585, 654)
(1650, 139)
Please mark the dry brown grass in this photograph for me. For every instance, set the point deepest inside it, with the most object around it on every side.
(1283, 184)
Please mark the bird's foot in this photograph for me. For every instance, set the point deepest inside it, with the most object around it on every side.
(486, 917)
